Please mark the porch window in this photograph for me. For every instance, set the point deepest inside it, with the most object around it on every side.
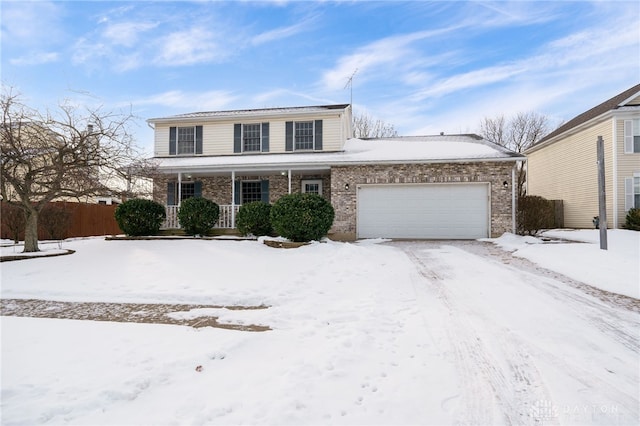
(248, 191)
(311, 186)
(631, 136)
(251, 191)
(187, 190)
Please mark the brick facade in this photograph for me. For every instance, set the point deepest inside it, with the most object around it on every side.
(218, 188)
(494, 173)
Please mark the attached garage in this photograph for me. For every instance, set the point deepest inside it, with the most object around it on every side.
(430, 211)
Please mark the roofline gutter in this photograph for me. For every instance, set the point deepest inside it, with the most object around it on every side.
(322, 165)
(245, 118)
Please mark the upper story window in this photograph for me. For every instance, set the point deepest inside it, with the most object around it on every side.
(252, 137)
(185, 140)
(303, 135)
(632, 136)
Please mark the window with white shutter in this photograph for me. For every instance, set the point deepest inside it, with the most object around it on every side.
(631, 136)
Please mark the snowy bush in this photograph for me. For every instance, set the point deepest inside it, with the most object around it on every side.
(198, 215)
(302, 217)
(253, 218)
(140, 217)
(633, 219)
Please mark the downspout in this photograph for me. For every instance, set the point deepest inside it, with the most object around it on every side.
(289, 177)
(614, 146)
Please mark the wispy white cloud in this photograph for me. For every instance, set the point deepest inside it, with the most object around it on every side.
(126, 33)
(468, 80)
(31, 23)
(282, 33)
(188, 101)
(193, 46)
(35, 58)
(389, 51)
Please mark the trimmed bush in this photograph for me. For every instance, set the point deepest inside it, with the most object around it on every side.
(302, 217)
(253, 218)
(633, 219)
(198, 215)
(534, 213)
(138, 217)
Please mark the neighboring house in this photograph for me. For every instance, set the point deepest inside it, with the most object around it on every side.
(453, 186)
(563, 165)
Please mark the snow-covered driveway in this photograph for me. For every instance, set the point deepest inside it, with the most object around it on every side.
(528, 348)
(396, 333)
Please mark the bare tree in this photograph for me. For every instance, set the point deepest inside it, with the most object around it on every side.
(364, 126)
(70, 153)
(517, 134)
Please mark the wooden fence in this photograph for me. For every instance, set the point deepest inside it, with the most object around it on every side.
(87, 220)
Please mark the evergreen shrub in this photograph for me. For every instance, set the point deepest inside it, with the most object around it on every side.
(633, 219)
(253, 218)
(534, 213)
(138, 217)
(198, 215)
(302, 217)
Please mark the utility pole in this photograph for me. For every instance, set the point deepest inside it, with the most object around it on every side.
(602, 199)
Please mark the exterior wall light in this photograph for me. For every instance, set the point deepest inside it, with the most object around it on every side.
(505, 184)
(346, 186)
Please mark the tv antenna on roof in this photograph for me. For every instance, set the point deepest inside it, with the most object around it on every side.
(349, 84)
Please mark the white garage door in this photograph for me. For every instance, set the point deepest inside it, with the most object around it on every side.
(446, 211)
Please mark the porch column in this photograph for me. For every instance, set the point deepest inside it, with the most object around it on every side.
(233, 199)
(179, 188)
(289, 176)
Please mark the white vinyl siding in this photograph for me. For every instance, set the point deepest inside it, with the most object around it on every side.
(567, 170)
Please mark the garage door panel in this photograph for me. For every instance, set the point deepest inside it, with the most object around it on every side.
(459, 211)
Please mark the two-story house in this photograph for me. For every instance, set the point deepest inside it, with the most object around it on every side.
(563, 165)
(445, 186)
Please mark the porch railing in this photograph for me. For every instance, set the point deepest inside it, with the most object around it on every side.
(226, 219)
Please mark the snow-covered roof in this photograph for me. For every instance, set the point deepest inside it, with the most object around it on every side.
(251, 113)
(398, 150)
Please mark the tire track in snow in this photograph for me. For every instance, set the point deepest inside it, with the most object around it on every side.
(486, 384)
(608, 312)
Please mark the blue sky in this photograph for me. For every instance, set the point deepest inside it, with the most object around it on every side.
(424, 67)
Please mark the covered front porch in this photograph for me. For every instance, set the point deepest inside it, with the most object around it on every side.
(231, 189)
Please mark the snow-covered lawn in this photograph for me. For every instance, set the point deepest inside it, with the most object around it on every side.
(397, 333)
